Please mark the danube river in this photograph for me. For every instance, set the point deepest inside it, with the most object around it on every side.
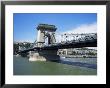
(67, 66)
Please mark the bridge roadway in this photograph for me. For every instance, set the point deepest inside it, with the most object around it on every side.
(88, 43)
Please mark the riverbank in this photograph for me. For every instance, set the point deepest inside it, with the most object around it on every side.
(77, 56)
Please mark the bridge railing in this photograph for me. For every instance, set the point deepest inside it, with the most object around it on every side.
(72, 38)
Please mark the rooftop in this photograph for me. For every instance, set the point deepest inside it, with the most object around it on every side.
(47, 27)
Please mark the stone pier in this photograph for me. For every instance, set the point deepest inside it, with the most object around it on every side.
(44, 55)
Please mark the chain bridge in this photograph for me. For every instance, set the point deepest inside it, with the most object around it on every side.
(47, 45)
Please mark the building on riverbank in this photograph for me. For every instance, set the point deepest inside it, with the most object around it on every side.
(78, 52)
(21, 46)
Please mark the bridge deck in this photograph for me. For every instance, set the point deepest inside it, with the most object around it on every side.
(89, 43)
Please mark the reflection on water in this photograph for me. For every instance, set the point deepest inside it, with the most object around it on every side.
(67, 66)
(81, 63)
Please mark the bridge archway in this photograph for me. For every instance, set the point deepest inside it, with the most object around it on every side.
(47, 38)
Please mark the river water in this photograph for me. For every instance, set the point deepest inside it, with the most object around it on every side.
(67, 66)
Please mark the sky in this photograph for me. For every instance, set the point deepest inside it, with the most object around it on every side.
(25, 24)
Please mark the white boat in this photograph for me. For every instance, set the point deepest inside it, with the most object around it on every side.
(63, 57)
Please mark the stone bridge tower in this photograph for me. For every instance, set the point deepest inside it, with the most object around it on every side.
(45, 31)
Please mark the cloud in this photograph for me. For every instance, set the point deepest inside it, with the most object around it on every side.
(84, 28)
